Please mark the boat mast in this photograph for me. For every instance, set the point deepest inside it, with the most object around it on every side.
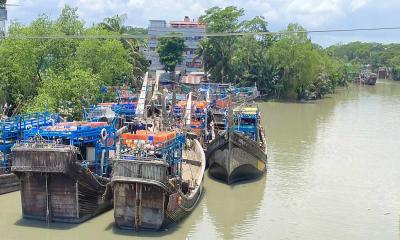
(140, 110)
(188, 110)
(156, 83)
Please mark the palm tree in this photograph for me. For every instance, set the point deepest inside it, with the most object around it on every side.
(216, 57)
(138, 61)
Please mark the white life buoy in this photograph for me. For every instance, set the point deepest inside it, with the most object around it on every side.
(103, 134)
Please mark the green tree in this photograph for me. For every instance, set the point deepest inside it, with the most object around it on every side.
(139, 63)
(30, 67)
(106, 58)
(217, 52)
(375, 54)
(305, 71)
(250, 63)
(171, 49)
(67, 93)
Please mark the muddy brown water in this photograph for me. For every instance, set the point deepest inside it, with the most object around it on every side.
(333, 173)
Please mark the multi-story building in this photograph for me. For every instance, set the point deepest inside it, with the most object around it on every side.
(192, 31)
(3, 18)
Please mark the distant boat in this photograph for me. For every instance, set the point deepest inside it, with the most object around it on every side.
(158, 180)
(240, 152)
(366, 77)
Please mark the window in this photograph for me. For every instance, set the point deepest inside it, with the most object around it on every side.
(193, 64)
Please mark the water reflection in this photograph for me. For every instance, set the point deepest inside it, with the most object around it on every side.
(30, 223)
(234, 208)
(291, 130)
(181, 229)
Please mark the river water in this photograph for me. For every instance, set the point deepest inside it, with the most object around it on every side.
(333, 173)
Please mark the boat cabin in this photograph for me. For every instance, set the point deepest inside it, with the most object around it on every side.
(247, 121)
(96, 141)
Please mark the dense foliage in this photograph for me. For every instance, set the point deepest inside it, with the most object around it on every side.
(170, 50)
(288, 65)
(65, 74)
(374, 54)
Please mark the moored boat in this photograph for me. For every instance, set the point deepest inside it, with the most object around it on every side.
(240, 152)
(64, 171)
(157, 180)
(366, 77)
(11, 131)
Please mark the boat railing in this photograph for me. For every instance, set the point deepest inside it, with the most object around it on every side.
(43, 144)
(44, 156)
(149, 170)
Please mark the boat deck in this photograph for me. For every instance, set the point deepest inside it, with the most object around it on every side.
(191, 167)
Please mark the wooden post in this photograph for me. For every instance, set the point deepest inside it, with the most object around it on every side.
(77, 198)
(48, 207)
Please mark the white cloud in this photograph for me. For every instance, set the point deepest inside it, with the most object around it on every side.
(312, 14)
(356, 4)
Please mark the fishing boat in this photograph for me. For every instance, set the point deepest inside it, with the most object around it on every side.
(240, 152)
(157, 180)
(194, 116)
(11, 131)
(366, 76)
(64, 170)
(158, 177)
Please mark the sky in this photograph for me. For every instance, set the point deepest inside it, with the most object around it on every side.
(311, 14)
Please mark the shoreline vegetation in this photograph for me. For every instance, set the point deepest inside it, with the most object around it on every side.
(65, 75)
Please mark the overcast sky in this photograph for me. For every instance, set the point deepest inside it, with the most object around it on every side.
(312, 14)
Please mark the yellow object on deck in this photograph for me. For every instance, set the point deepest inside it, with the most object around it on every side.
(246, 110)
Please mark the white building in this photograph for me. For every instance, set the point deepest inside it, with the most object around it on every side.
(3, 18)
(192, 32)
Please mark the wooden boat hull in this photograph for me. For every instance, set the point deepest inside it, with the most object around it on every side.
(148, 206)
(56, 188)
(144, 197)
(9, 183)
(232, 157)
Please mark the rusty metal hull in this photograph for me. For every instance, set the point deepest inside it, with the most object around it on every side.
(232, 157)
(9, 183)
(56, 188)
